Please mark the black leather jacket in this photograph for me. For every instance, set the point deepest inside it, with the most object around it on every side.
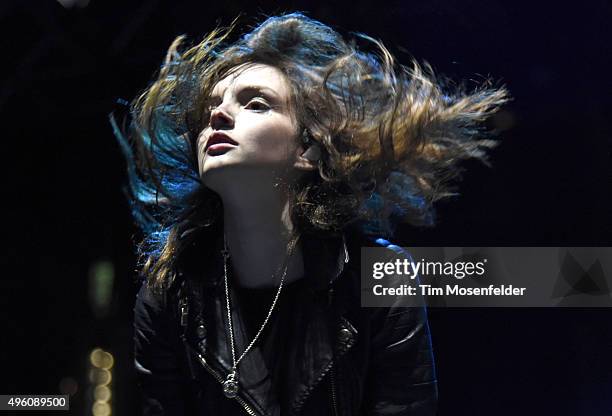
(343, 359)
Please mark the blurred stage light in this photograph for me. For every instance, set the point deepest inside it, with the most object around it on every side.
(100, 376)
(102, 394)
(101, 409)
(101, 281)
(101, 359)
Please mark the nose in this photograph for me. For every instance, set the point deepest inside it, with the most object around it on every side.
(220, 119)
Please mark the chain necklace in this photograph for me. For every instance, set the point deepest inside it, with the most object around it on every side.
(230, 386)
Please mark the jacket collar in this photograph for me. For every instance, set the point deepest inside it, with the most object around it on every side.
(324, 257)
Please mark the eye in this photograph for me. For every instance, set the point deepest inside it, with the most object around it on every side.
(257, 104)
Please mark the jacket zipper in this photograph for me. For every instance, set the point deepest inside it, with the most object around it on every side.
(300, 403)
(332, 388)
(217, 377)
(184, 310)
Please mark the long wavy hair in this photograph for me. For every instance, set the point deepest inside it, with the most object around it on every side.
(391, 136)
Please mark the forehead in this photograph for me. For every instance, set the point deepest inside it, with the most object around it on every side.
(253, 75)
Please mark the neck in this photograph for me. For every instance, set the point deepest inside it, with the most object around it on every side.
(258, 229)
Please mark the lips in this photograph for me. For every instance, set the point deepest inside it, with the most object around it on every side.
(219, 140)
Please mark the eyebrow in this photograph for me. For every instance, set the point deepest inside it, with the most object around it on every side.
(250, 89)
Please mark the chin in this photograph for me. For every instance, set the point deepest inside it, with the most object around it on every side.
(213, 164)
(217, 174)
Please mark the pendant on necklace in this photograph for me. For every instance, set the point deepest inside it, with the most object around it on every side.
(230, 386)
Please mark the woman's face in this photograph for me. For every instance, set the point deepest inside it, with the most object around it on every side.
(252, 128)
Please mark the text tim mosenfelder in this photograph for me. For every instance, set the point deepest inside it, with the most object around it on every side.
(458, 270)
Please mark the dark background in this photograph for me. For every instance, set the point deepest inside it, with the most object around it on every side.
(64, 68)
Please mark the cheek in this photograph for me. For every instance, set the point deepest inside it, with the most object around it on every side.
(275, 136)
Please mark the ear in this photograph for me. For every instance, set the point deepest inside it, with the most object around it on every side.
(309, 158)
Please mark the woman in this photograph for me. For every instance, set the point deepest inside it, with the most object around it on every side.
(257, 171)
